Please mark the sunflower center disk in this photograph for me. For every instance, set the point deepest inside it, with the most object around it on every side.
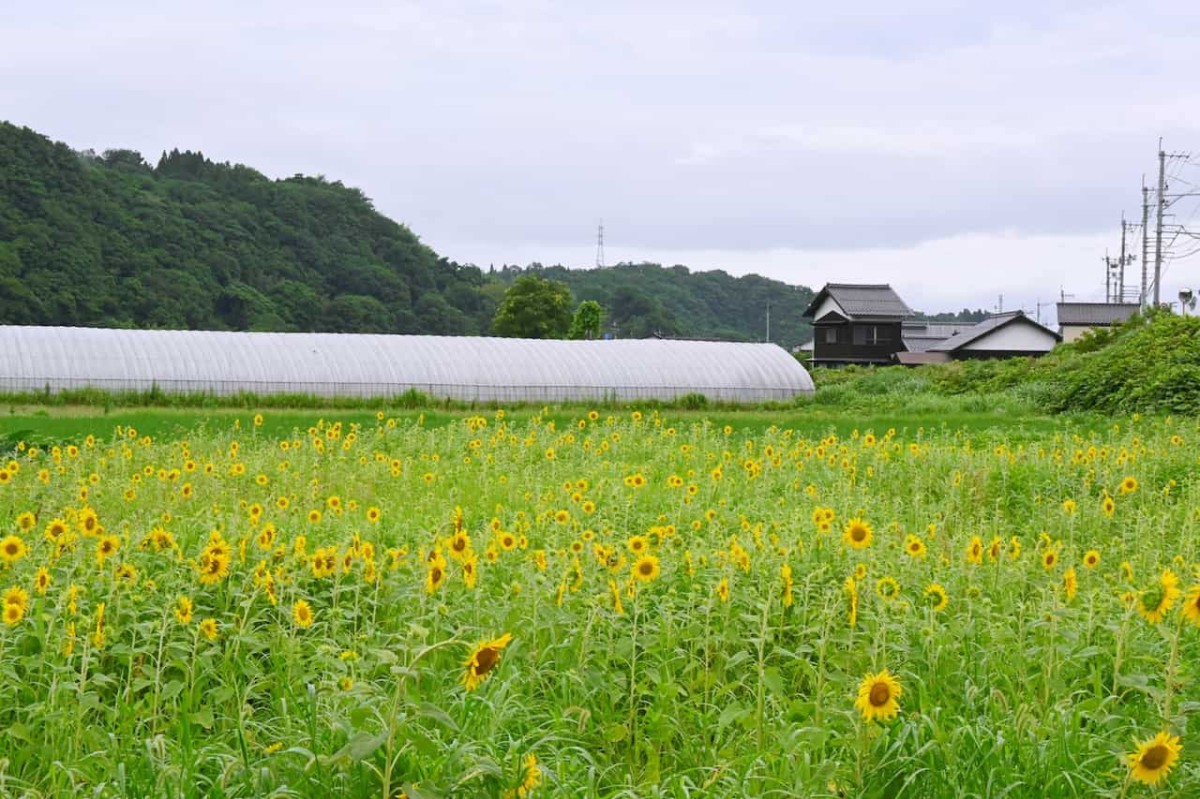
(486, 660)
(880, 694)
(1154, 757)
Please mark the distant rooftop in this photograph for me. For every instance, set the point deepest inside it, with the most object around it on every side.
(983, 328)
(1095, 313)
(923, 336)
(877, 300)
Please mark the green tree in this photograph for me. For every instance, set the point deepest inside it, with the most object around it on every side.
(588, 319)
(109, 240)
(534, 308)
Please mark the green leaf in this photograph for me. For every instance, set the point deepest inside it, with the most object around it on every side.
(203, 717)
(615, 733)
(435, 713)
(360, 747)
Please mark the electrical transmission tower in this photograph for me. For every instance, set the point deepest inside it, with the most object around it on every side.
(1164, 201)
(600, 246)
(1114, 268)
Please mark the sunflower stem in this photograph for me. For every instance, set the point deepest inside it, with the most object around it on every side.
(633, 682)
(1119, 654)
(1172, 664)
(762, 649)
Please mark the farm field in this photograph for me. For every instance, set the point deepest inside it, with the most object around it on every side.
(598, 603)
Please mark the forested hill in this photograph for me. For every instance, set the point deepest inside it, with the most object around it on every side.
(112, 240)
(647, 299)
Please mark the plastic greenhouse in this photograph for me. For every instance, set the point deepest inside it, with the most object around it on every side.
(339, 364)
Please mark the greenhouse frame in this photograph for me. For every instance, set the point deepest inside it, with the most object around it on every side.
(52, 359)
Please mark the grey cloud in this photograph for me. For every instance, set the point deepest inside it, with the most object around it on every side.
(699, 126)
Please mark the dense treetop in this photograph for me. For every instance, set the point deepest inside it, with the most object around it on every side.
(112, 240)
(647, 299)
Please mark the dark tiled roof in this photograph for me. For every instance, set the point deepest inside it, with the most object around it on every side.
(1094, 313)
(923, 336)
(862, 301)
(995, 322)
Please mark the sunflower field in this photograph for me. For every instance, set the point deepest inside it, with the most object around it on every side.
(615, 605)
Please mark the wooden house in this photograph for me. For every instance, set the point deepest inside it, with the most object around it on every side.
(856, 324)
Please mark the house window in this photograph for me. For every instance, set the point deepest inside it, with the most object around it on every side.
(871, 335)
(831, 335)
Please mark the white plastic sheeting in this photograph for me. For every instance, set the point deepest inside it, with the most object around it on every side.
(360, 365)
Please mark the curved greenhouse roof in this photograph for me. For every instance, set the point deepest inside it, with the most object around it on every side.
(361, 365)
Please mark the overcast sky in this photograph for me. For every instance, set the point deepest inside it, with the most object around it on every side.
(958, 150)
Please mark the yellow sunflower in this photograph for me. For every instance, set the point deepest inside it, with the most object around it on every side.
(887, 588)
(1128, 485)
(850, 588)
(209, 628)
(435, 576)
(615, 590)
(302, 613)
(183, 610)
(1154, 758)
(1091, 559)
(55, 530)
(12, 549)
(16, 596)
(531, 777)
(1191, 608)
(936, 597)
(213, 565)
(877, 695)
(483, 660)
(914, 547)
(857, 533)
(1154, 602)
(324, 561)
(646, 568)
(975, 550)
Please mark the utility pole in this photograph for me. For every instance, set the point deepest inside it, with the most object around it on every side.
(1124, 260)
(768, 320)
(1145, 240)
(1040, 304)
(1162, 206)
(1108, 281)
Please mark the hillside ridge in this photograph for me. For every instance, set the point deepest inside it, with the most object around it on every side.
(111, 240)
